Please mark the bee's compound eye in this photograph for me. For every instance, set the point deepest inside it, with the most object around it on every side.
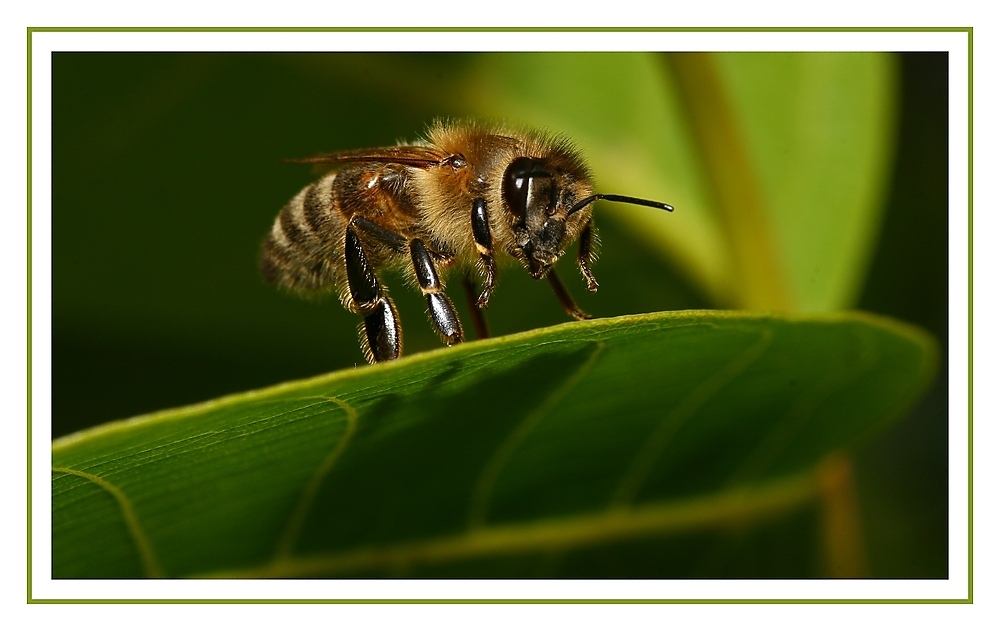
(517, 181)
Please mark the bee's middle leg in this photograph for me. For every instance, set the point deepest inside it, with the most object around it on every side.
(381, 336)
(442, 311)
(478, 319)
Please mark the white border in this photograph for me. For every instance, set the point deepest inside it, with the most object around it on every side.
(44, 43)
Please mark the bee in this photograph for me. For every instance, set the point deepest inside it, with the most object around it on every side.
(462, 196)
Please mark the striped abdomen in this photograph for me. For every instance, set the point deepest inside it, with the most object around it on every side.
(304, 250)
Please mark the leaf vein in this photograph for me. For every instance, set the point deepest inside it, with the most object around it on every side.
(147, 556)
(479, 506)
(644, 460)
(298, 517)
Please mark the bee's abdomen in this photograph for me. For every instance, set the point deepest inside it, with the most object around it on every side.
(304, 246)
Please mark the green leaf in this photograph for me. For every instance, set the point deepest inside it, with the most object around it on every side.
(671, 444)
(819, 130)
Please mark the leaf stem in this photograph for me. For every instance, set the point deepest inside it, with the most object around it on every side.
(843, 545)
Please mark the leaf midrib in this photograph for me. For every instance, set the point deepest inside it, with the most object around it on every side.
(737, 505)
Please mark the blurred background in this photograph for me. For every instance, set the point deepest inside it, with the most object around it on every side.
(168, 171)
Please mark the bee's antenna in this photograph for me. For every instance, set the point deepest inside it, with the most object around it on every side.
(620, 198)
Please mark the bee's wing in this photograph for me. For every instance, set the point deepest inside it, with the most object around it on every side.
(414, 156)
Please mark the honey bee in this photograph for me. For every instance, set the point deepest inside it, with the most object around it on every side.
(463, 195)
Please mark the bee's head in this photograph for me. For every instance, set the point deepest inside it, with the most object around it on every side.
(548, 201)
(543, 203)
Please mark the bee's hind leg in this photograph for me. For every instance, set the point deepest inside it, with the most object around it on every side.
(441, 310)
(381, 336)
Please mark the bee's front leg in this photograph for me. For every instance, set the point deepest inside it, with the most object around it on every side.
(484, 244)
(441, 310)
(565, 299)
(381, 336)
(586, 255)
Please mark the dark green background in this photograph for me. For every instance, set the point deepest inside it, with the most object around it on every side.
(167, 172)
